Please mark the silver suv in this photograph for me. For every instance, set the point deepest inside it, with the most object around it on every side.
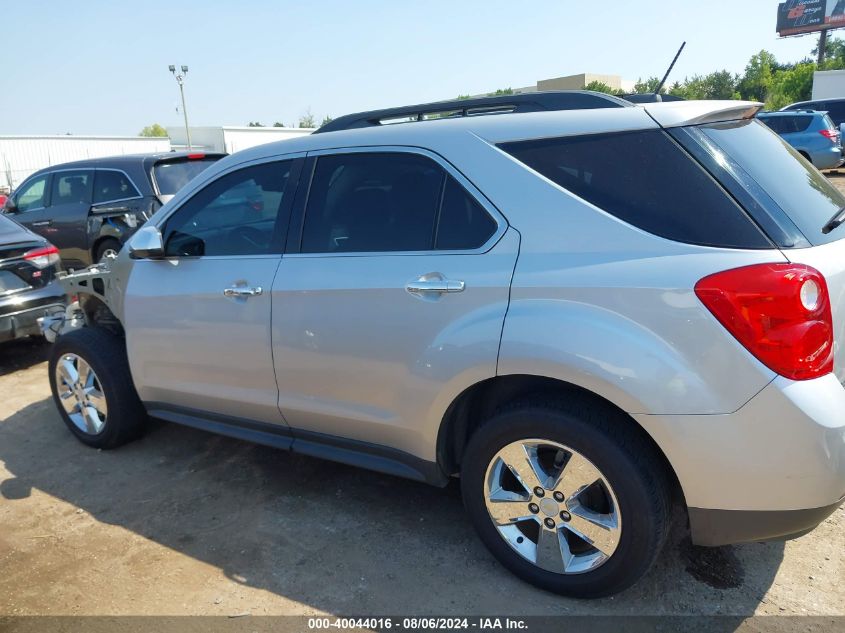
(590, 315)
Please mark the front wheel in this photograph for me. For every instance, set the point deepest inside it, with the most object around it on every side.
(93, 390)
(567, 495)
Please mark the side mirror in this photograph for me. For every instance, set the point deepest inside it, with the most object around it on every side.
(147, 243)
(9, 207)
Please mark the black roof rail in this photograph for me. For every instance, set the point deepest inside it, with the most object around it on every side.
(650, 97)
(504, 104)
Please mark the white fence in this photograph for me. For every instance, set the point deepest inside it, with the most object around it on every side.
(22, 155)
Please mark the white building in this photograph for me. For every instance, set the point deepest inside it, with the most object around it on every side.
(829, 84)
(231, 139)
(22, 155)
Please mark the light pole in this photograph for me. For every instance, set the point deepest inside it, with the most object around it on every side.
(180, 79)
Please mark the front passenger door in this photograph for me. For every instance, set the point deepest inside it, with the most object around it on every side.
(198, 321)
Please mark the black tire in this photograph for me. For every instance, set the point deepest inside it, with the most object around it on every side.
(106, 354)
(628, 462)
(106, 245)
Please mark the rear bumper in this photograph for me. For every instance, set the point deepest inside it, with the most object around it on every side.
(21, 312)
(771, 470)
(723, 527)
(827, 159)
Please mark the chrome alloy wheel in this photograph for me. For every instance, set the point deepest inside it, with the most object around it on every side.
(81, 394)
(552, 506)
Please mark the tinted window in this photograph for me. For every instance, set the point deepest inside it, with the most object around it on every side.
(31, 195)
(112, 185)
(645, 179)
(835, 109)
(463, 224)
(71, 187)
(234, 215)
(372, 203)
(803, 193)
(788, 124)
(170, 177)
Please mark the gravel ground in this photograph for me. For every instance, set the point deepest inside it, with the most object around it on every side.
(184, 522)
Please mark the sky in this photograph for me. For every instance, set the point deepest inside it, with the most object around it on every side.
(100, 67)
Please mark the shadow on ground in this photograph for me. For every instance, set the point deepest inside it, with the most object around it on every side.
(336, 538)
(22, 354)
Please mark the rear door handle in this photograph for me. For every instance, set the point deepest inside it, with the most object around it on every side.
(432, 285)
(243, 291)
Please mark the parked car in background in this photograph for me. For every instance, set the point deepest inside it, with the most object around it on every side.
(811, 133)
(587, 341)
(28, 286)
(835, 109)
(88, 208)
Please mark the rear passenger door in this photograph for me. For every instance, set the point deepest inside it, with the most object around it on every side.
(391, 293)
(67, 216)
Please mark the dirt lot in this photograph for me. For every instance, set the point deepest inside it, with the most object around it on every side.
(183, 522)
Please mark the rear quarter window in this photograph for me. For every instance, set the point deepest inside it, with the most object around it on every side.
(645, 179)
(801, 191)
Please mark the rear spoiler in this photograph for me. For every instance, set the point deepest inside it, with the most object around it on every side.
(680, 113)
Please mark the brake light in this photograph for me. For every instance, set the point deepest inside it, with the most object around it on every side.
(831, 135)
(779, 312)
(195, 156)
(43, 257)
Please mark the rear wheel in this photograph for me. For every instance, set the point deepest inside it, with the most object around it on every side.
(567, 496)
(93, 390)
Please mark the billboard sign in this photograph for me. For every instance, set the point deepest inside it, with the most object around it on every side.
(806, 16)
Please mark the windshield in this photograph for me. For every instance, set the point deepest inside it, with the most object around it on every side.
(171, 176)
(798, 188)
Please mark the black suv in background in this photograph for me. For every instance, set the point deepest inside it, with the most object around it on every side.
(88, 208)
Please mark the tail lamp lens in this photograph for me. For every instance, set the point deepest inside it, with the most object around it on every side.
(779, 312)
(43, 257)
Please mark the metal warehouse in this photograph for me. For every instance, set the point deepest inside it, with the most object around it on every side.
(20, 156)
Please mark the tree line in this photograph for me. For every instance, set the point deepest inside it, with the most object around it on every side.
(765, 79)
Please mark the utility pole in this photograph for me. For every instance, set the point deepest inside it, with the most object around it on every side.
(822, 46)
(180, 79)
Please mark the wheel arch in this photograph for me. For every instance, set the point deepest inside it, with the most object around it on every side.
(480, 401)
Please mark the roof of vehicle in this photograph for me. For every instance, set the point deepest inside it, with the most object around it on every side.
(478, 106)
(788, 113)
(131, 159)
(827, 100)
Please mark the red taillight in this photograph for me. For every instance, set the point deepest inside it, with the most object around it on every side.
(779, 312)
(195, 156)
(831, 135)
(43, 257)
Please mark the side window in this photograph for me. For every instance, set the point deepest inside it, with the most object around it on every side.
(375, 202)
(646, 180)
(234, 215)
(463, 224)
(31, 196)
(113, 185)
(71, 187)
(836, 111)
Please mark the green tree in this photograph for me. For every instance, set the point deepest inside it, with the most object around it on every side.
(254, 124)
(326, 120)
(463, 97)
(792, 85)
(756, 84)
(649, 86)
(278, 124)
(600, 86)
(716, 85)
(153, 130)
(500, 92)
(307, 119)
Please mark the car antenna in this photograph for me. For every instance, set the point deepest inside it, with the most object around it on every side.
(668, 70)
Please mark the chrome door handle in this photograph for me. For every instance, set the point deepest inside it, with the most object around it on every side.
(242, 291)
(44, 223)
(422, 286)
